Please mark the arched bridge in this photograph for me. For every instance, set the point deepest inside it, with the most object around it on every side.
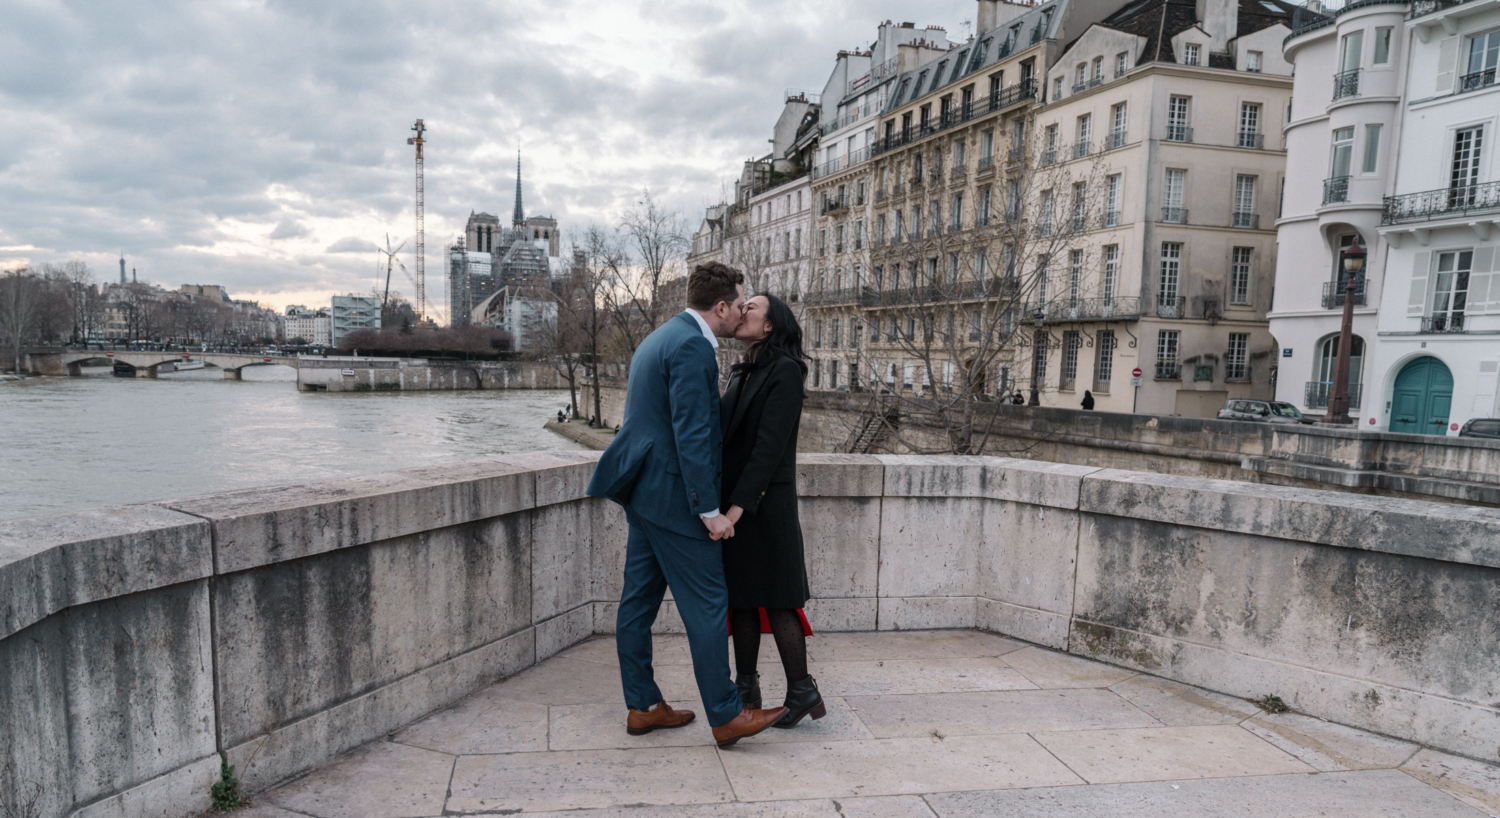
(147, 364)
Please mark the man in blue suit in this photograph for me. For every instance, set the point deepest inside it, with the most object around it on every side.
(663, 467)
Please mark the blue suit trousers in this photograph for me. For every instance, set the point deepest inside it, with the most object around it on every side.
(693, 567)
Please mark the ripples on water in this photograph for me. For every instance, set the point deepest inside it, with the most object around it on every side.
(71, 443)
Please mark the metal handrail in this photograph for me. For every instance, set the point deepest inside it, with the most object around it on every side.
(1442, 203)
(1315, 394)
(1170, 306)
(1179, 133)
(1334, 292)
(1443, 322)
(1335, 190)
(1251, 139)
(1249, 221)
(1174, 215)
(1062, 310)
(1346, 84)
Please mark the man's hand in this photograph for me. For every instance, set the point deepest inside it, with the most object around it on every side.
(734, 514)
(720, 527)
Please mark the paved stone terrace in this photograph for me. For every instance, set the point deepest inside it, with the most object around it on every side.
(953, 724)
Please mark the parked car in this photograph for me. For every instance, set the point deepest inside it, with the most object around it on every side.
(1481, 427)
(1269, 411)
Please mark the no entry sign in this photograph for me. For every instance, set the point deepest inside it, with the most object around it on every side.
(1136, 373)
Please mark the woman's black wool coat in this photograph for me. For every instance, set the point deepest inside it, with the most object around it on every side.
(761, 412)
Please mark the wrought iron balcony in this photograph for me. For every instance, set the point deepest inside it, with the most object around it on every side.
(1477, 80)
(1316, 394)
(1023, 91)
(1251, 139)
(1174, 215)
(1420, 8)
(1048, 157)
(1336, 190)
(1179, 133)
(1168, 370)
(1346, 84)
(1444, 322)
(1015, 155)
(1080, 150)
(835, 204)
(986, 162)
(1333, 294)
(1115, 140)
(1109, 218)
(1063, 310)
(1442, 203)
(1171, 306)
(1249, 221)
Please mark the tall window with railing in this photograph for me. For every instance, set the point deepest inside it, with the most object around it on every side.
(1080, 207)
(982, 208)
(1039, 358)
(1120, 116)
(1172, 193)
(1167, 305)
(1244, 202)
(1075, 278)
(1484, 53)
(1168, 354)
(1450, 291)
(1069, 359)
(916, 222)
(1239, 276)
(859, 234)
(1113, 190)
(880, 230)
(1111, 276)
(1336, 187)
(1237, 357)
(1049, 146)
(986, 149)
(1250, 135)
(1346, 82)
(956, 212)
(1044, 227)
(1463, 174)
(934, 218)
(1177, 120)
(1104, 360)
(1085, 133)
(1043, 279)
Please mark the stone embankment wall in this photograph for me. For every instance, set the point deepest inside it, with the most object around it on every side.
(281, 626)
(1457, 469)
(415, 374)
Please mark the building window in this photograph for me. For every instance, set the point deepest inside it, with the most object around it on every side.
(1464, 173)
(1168, 364)
(1080, 77)
(1043, 279)
(1382, 46)
(1049, 146)
(1451, 291)
(982, 212)
(1057, 88)
(1104, 361)
(874, 329)
(1177, 120)
(837, 333)
(1045, 226)
(823, 242)
(1120, 121)
(1070, 359)
(1167, 305)
(1075, 278)
(1172, 210)
(1122, 63)
(1098, 75)
(1328, 357)
(1111, 276)
(1039, 358)
(1112, 200)
(1250, 136)
(1012, 200)
(818, 334)
(895, 227)
(1237, 359)
(956, 212)
(934, 219)
(1190, 54)
(838, 239)
(960, 158)
(1252, 61)
(986, 149)
(916, 222)
(1080, 207)
(1336, 188)
(1085, 133)
(1239, 276)
(932, 272)
(906, 376)
(1244, 202)
(1372, 149)
(1484, 53)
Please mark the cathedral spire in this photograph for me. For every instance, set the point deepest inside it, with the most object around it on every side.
(519, 217)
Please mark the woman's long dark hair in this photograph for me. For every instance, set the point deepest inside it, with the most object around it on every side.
(785, 339)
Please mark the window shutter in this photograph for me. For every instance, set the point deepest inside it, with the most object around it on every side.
(1482, 283)
(1417, 303)
(1447, 62)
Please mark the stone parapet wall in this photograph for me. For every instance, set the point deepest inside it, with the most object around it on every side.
(278, 627)
(397, 375)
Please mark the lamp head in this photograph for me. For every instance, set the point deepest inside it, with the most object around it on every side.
(1354, 257)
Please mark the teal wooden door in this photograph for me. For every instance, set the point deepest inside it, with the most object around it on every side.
(1422, 398)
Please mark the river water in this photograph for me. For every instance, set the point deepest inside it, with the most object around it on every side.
(84, 442)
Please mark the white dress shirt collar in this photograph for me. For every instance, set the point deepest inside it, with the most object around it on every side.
(713, 340)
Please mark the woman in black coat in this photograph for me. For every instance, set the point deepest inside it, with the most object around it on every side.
(763, 564)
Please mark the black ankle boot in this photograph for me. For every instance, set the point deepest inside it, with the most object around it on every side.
(802, 699)
(749, 686)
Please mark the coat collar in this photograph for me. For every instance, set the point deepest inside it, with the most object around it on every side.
(744, 392)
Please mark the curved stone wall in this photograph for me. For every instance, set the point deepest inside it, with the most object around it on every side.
(277, 627)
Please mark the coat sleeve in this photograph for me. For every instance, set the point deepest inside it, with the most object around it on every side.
(693, 397)
(783, 407)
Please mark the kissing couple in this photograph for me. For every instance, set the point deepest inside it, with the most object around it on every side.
(709, 489)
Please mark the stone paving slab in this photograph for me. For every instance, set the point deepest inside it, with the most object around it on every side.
(892, 767)
(1168, 753)
(990, 712)
(919, 725)
(1373, 794)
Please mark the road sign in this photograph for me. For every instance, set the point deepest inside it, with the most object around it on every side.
(186, 355)
(1135, 381)
(109, 355)
(1136, 373)
(267, 359)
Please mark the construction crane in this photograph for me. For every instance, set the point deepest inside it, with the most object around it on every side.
(421, 281)
(390, 262)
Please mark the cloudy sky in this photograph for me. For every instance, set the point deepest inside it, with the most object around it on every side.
(261, 144)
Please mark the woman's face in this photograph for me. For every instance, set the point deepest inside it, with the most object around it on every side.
(757, 323)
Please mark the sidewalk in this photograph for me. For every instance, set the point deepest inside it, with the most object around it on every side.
(596, 439)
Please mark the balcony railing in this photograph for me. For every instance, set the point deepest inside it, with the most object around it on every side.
(1444, 322)
(1249, 221)
(1171, 306)
(1048, 157)
(1179, 133)
(1421, 8)
(1333, 294)
(1062, 310)
(847, 295)
(1080, 150)
(1346, 84)
(1115, 140)
(1109, 218)
(1015, 155)
(880, 195)
(1336, 190)
(1168, 370)
(1174, 215)
(1441, 204)
(1316, 394)
(986, 162)
(1477, 80)
(1251, 139)
(834, 204)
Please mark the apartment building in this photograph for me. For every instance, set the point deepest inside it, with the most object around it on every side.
(1079, 190)
(1437, 351)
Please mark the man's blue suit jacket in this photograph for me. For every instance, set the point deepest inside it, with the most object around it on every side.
(664, 462)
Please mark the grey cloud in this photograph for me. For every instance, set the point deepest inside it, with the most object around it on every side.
(290, 229)
(351, 244)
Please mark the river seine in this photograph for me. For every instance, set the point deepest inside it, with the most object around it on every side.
(73, 443)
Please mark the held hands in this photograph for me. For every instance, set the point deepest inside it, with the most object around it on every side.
(720, 527)
(734, 513)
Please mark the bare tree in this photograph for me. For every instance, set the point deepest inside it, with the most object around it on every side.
(19, 295)
(640, 295)
(954, 300)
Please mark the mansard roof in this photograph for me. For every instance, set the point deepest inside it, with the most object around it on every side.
(1158, 21)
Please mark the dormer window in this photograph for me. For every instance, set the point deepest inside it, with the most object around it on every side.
(1252, 62)
(1190, 54)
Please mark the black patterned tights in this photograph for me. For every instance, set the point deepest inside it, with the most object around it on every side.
(786, 629)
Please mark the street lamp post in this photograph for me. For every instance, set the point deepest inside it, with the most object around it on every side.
(1338, 400)
(1039, 315)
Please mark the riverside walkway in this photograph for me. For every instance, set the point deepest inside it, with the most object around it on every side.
(945, 724)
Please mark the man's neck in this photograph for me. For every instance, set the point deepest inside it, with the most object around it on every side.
(708, 318)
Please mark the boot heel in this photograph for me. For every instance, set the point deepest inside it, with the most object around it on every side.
(818, 712)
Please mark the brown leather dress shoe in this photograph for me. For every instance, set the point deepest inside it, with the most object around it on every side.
(662, 717)
(746, 724)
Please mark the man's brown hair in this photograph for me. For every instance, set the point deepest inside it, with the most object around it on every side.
(710, 283)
